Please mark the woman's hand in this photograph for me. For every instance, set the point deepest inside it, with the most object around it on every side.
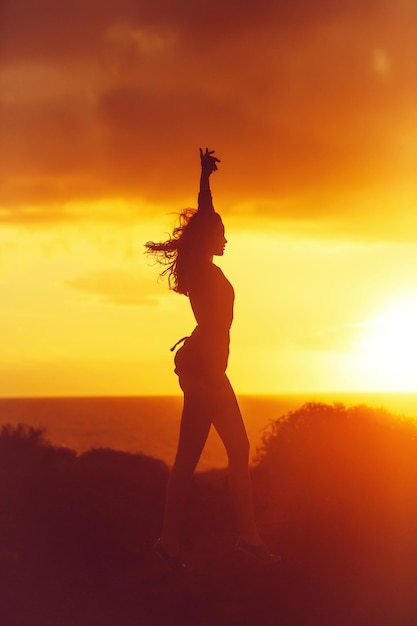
(208, 162)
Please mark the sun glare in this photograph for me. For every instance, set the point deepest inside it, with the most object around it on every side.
(390, 349)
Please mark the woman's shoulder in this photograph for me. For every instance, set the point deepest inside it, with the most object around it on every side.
(207, 271)
(220, 280)
(218, 272)
(207, 277)
(213, 274)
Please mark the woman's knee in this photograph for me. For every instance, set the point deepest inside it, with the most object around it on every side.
(238, 452)
(185, 463)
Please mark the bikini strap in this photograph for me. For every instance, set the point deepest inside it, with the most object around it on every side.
(178, 342)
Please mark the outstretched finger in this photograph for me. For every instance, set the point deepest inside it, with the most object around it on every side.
(207, 152)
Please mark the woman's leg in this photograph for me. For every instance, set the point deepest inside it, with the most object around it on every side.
(195, 426)
(227, 420)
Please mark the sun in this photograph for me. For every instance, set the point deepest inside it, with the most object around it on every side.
(389, 350)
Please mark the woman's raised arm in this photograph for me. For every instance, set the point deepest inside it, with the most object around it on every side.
(208, 166)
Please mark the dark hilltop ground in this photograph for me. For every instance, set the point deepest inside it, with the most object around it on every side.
(336, 496)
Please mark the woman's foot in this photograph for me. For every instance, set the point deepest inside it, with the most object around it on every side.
(173, 562)
(258, 551)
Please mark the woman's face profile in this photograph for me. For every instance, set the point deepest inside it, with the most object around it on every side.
(217, 240)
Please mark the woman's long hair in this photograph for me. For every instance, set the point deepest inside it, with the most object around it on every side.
(182, 252)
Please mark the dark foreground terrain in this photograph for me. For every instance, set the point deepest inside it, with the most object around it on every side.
(336, 496)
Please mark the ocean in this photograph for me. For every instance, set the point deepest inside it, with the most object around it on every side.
(149, 424)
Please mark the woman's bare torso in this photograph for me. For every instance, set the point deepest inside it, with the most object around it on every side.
(212, 298)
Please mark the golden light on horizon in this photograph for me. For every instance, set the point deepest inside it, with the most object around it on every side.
(390, 348)
(314, 122)
(84, 314)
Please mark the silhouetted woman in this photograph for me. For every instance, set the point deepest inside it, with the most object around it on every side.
(200, 364)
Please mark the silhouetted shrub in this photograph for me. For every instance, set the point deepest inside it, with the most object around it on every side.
(24, 447)
(340, 467)
(335, 492)
(34, 481)
(62, 506)
(121, 497)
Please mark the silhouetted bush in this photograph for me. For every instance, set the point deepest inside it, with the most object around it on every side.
(63, 506)
(33, 487)
(335, 494)
(121, 499)
(340, 468)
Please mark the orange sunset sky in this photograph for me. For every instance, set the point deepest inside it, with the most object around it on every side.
(312, 108)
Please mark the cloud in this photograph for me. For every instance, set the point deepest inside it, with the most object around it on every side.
(112, 99)
(43, 27)
(117, 287)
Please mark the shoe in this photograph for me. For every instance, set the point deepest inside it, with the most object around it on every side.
(173, 562)
(259, 552)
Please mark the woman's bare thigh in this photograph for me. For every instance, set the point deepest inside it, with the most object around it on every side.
(208, 403)
(195, 425)
(227, 420)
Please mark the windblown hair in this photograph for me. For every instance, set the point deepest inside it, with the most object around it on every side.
(181, 252)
